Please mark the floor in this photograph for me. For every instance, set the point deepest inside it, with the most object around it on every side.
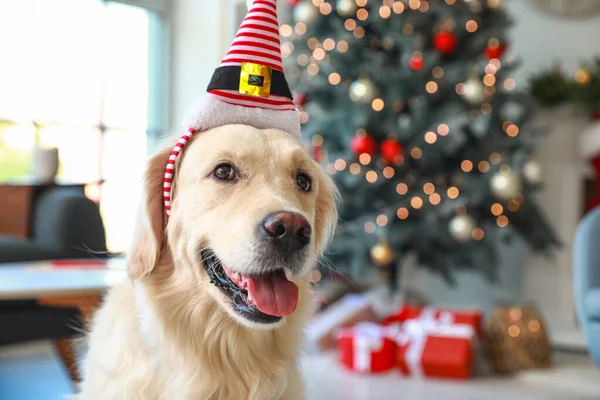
(33, 372)
(574, 378)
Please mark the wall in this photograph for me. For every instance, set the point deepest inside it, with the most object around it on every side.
(541, 39)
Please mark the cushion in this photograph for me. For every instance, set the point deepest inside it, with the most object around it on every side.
(592, 304)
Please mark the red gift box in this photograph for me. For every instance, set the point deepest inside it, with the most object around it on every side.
(469, 317)
(433, 345)
(367, 348)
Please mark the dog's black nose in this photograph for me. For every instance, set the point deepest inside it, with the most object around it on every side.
(287, 231)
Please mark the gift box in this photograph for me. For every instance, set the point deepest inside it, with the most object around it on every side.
(367, 348)
(349, 310)
(434, 345)
(516, 340)
(473, 318)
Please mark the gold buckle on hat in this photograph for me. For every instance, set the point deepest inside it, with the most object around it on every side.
(255, 80)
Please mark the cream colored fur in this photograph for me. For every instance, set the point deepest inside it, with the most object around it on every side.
(168, 334)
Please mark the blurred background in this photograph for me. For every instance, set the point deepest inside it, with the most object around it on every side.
(464, 136)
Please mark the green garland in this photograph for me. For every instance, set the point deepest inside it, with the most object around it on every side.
(551, 88)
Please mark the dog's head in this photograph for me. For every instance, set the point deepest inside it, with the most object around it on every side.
(251, 212)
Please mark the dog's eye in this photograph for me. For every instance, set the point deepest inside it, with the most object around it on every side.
(303, 182)
(224, 172)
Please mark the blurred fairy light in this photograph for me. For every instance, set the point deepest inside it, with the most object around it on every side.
(512, 130)
(449, 25)
(494, 3)
(502, 221)
(491, 69)
(329, 44)
(388, 172)
(364, 158)
(489, 90)
(317, 140)
(519, 198)
(342, 46)
(437, 72)
(416, 203)
(486, 108)
(303, 117)
(355, 169)
(450, 2)
(300, 28)
(334, 78)
(402, 213)
(453, 192)
(312, 43)
(431, 87)
(313, 69)
(496, 62)
(495, 158)
(340, 165)
(382, 220)
(534, 326)
(460, 88)
(388, 3)
(330, 169)
(319, 54)
(513, 206)
(466, 166)
(286, 30)
(325, 8)
(435, 199)
(443, 129)
(378, 104)
(478, 234)
(385, 12)
(370, 227)
(302, 60)
(430, 137)
(424, 7)
(497, 209)
(416, 153)
(362, 14)
(398, 7)
(317, 3)
(471, 26)
(408, 29)
(510, 84)
(429, 188)
(371, 176)
(402, 189)
(414, 4)
(505, 169)
(361, 3)
(489, 80)
(350, 24)
(359, 32)
(287, 49)
(483, 166)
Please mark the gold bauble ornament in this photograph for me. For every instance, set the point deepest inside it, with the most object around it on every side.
(583, 77)
(382, 254)
(506, 184)
(346, 7)
(362, 91)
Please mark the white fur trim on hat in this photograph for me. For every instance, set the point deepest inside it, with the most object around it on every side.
(207, 112)
(590, 141)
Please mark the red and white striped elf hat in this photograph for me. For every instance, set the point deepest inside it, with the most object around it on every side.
(248, 88)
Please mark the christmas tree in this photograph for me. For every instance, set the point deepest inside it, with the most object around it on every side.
(411, 107)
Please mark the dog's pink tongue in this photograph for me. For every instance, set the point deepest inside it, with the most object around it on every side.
(273, 295)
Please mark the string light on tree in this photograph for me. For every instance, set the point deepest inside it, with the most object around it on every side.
(461, 228)
(532, 172)
(345, 8)
(473, 91)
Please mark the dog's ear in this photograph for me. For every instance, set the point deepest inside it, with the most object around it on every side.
(326, 215)
(150, 238)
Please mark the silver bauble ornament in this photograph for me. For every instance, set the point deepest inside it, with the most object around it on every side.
(346, 7)
(532, 171)
(306, 12)
(506, 184)
(474, 93)
(362, 91)
(461, 227)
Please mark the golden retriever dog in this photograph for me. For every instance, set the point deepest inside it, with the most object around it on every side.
(218, 295)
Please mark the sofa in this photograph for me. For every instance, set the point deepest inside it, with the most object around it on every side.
(586, 269)
(66, 225)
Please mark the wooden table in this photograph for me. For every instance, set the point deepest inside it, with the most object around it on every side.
(79, 284)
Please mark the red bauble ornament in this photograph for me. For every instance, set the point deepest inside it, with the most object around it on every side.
(596, 115)
(392, 151)
(416, 63)
(495, 52)
(300, 99)
(293, 3)
(445, 42)
(363, 144)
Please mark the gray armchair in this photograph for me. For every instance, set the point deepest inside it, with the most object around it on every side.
(66, 225)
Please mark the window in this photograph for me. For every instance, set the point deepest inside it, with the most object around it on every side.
(77, 75)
